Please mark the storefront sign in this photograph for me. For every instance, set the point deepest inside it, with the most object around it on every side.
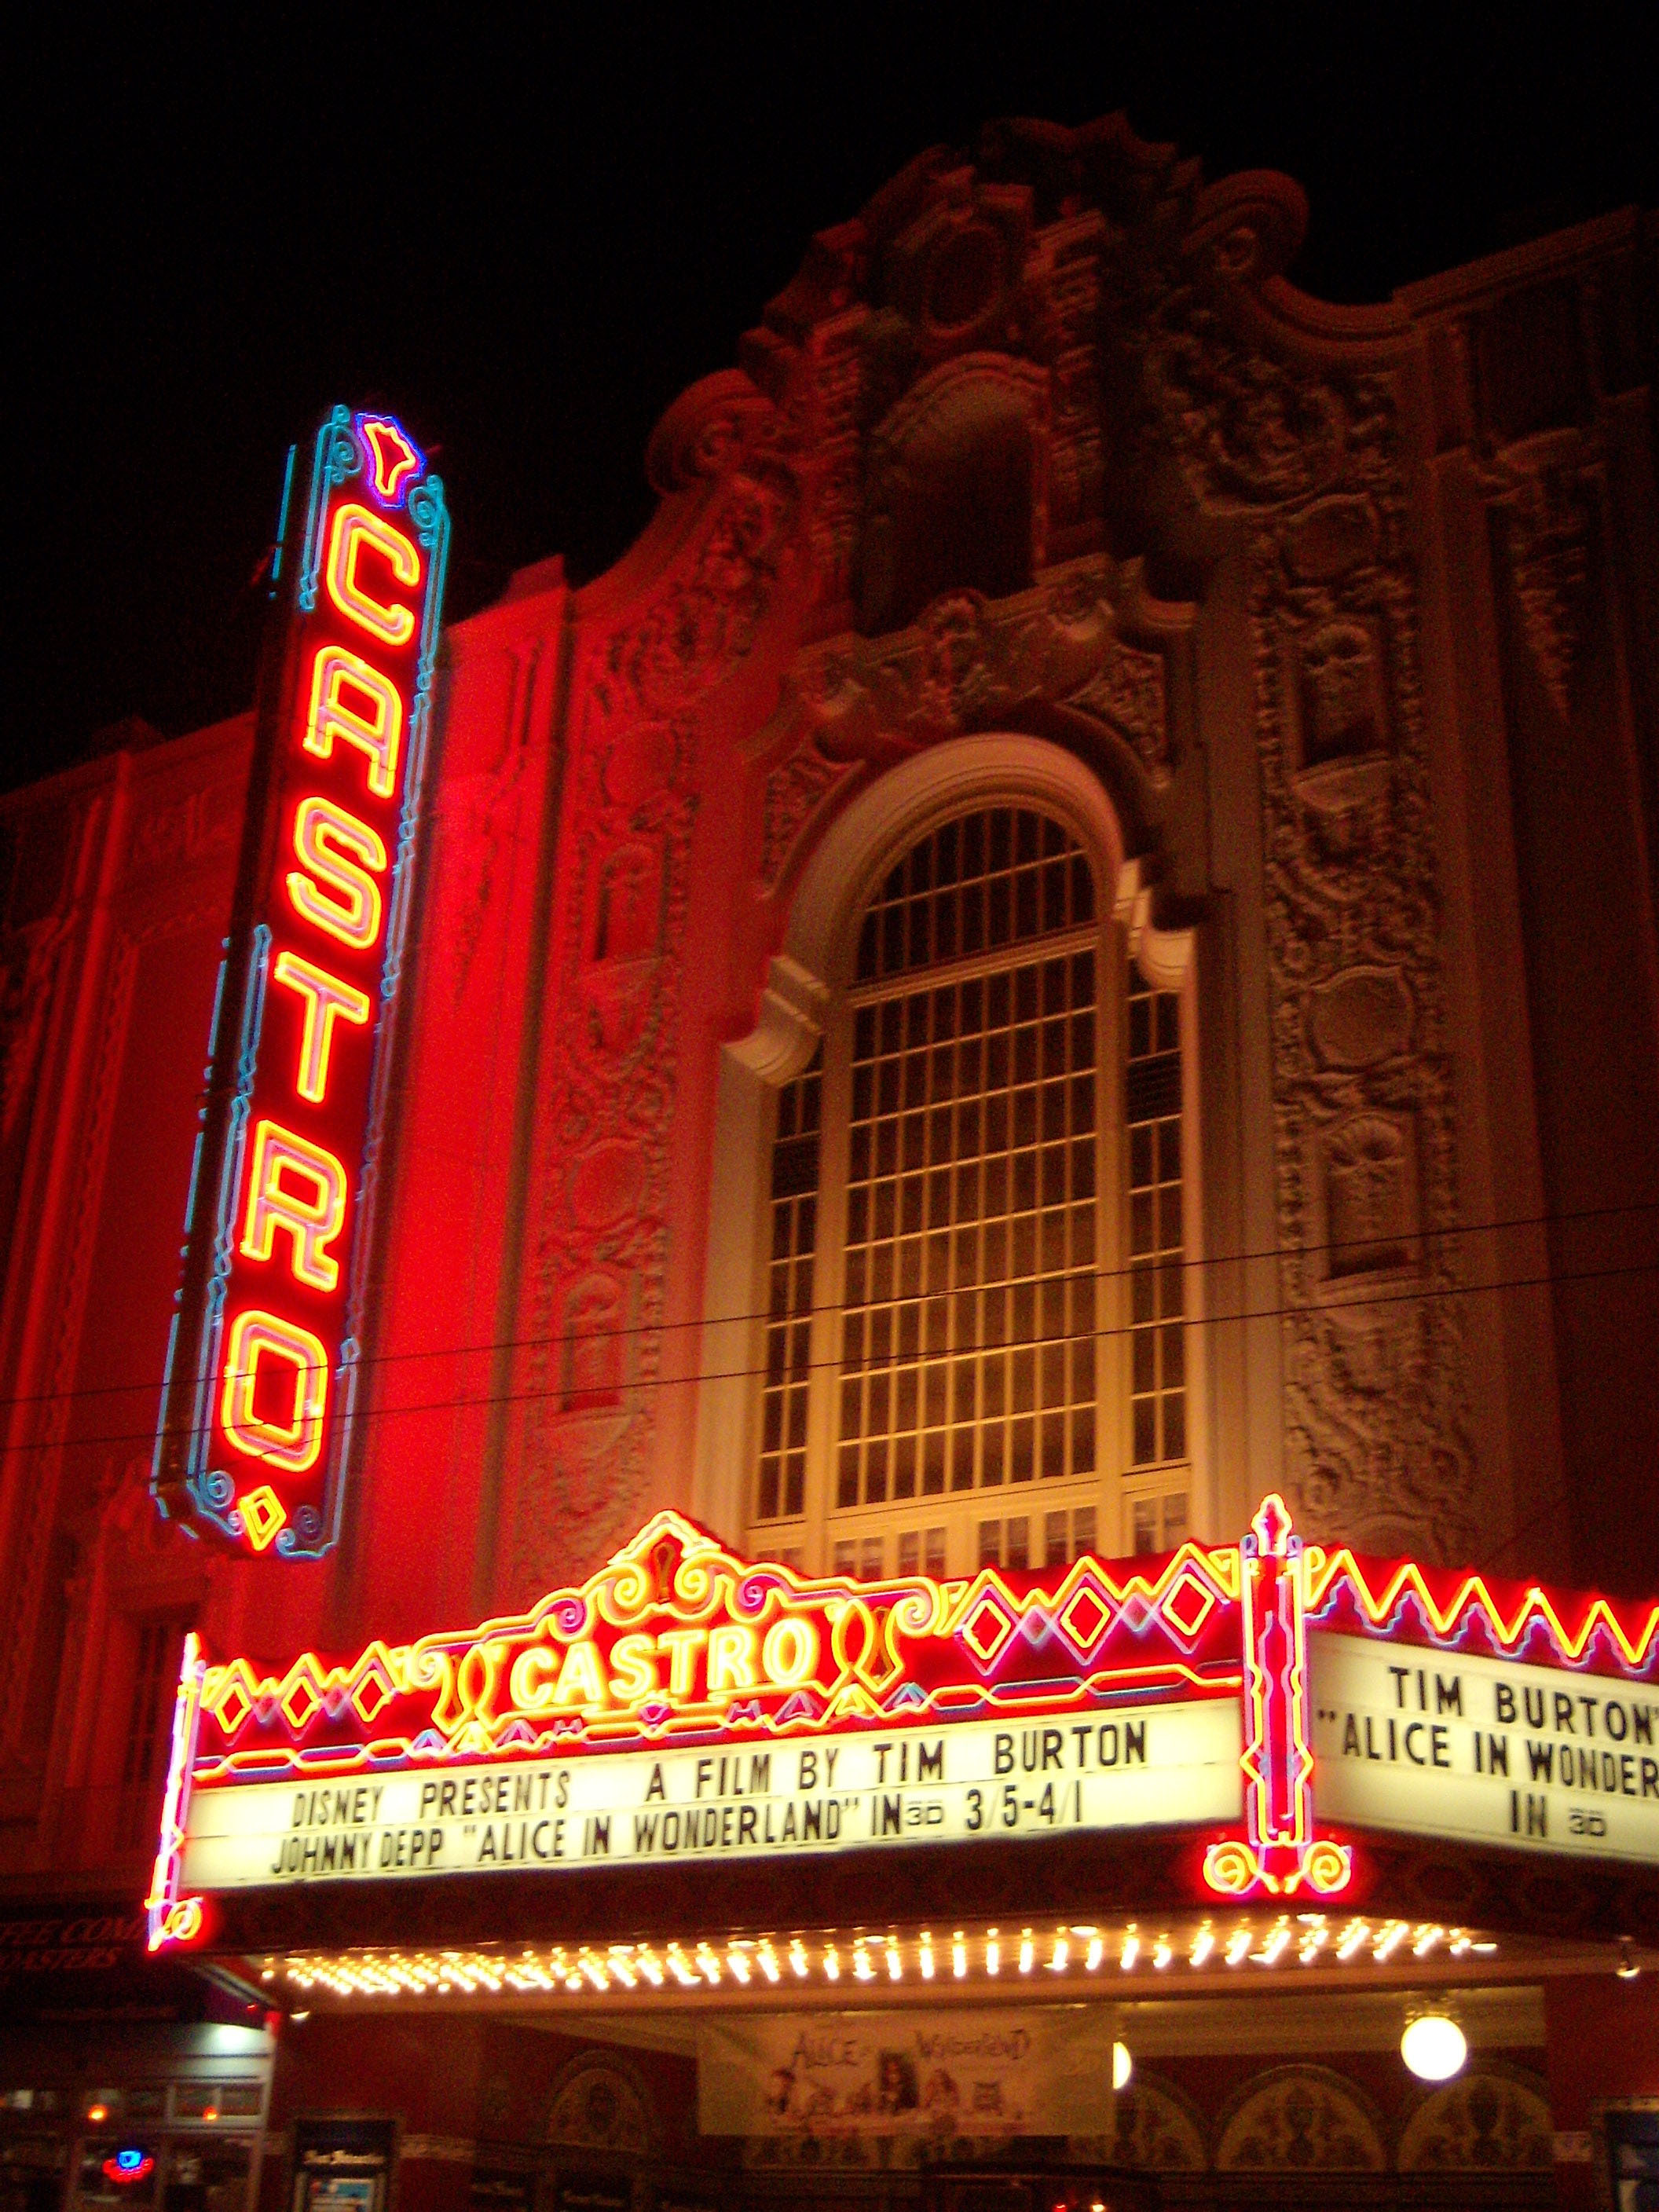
(938, 2074)
(256, 1420)
(343, 2164)
(683, 1703)
(1409, 1738)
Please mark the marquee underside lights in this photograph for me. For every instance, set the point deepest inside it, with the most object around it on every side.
(256, 1431)
(832, 1966)
(685, 1704)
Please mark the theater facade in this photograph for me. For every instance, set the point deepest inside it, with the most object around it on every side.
(904, 1453)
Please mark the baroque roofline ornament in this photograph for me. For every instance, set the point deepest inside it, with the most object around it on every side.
(969, 664)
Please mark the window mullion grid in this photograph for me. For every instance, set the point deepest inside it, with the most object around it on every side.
(1157, 1230)
(787, 1329)
(969, 1196)
(973, 1253)
(829, 1292)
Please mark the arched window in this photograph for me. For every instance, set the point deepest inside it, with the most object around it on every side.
(975, 1281)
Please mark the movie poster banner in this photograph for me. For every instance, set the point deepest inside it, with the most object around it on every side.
(912, 2075)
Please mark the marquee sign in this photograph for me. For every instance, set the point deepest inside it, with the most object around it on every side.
(256, 1425)
(683, 1703)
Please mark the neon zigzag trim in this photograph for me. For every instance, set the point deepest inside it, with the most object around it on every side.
(1637, 1649)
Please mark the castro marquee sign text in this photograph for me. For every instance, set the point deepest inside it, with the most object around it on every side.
(1445, 1744)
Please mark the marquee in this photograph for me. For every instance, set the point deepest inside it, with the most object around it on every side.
(683, 1703)
(256, 1425)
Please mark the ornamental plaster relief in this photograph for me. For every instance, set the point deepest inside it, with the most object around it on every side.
(969, 663)
(1376, 1362)
(1550, 491)
(1307, 461)
(597, 1243)
(1081, 299)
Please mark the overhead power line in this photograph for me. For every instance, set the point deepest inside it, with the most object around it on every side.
(1201, 1265)
(1404, 1295)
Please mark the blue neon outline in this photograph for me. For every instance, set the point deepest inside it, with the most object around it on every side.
(338, 456)
(199, 1477)
(282, 522)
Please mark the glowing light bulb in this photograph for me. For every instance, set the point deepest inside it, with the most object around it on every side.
(1094, 1954)
(1274, 1949)
(1203, 1944)
(958, 1956)
(1131, 1951)
(1123, 2066)
(1433, 2047)
(1027, 1951)
(1354, 1938)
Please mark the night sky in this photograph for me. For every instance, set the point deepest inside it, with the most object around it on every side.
(527, 237)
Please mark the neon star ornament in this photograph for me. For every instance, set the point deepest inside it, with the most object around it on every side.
(395, 461)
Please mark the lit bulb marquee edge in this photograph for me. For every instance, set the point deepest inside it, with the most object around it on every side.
(686, 1702)
(256, 1428)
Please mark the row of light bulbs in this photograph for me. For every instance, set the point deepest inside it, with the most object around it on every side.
(862, 1960)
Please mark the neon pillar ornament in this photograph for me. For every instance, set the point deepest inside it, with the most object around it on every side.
(128, 2166)
(169, 1917)
(256, 1435)
(1279, 1853)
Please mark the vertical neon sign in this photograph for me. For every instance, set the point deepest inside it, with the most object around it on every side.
(256, 1430)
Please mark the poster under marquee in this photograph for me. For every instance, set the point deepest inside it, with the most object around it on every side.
(909, 2076)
